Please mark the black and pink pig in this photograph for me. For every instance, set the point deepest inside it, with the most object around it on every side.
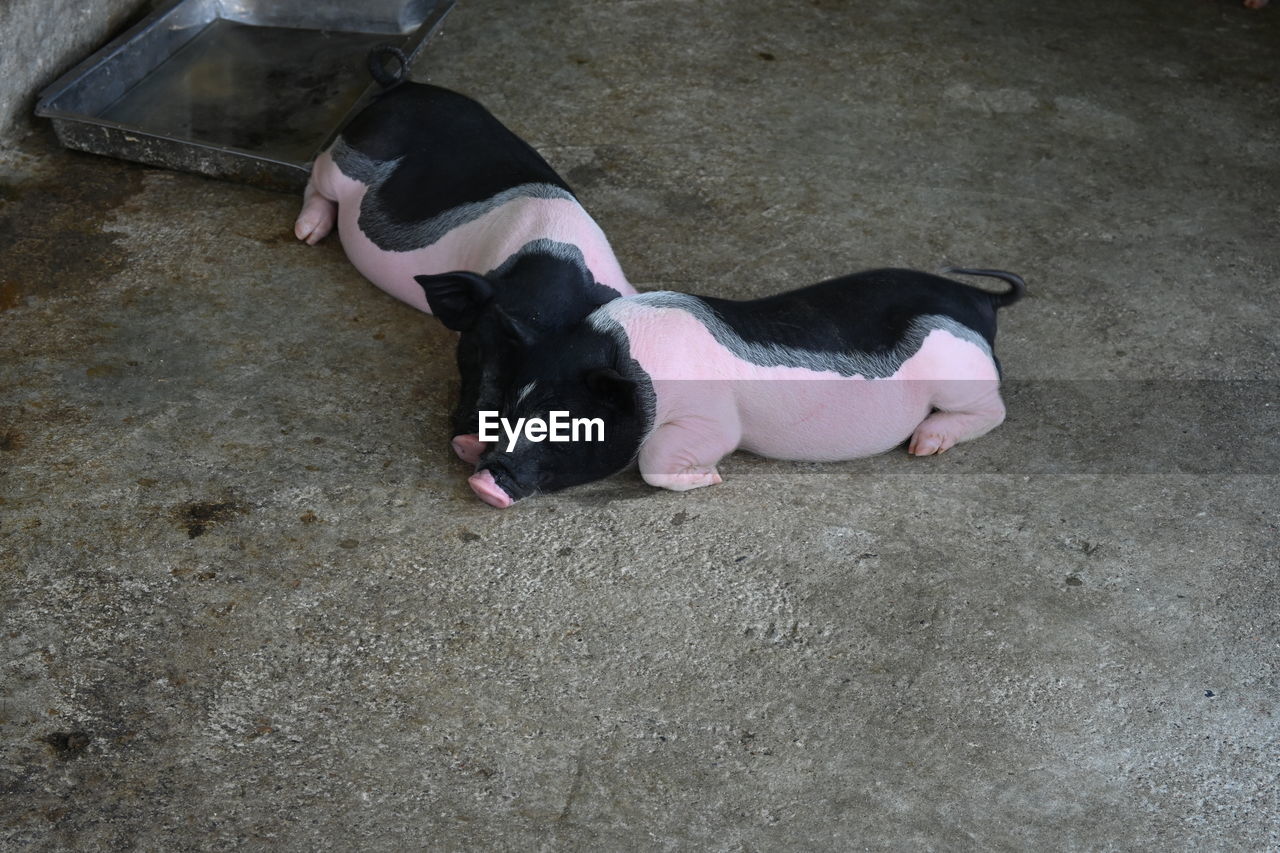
(443, 207)
(843, 369)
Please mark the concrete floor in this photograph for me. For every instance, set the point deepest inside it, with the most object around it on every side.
(249, 601)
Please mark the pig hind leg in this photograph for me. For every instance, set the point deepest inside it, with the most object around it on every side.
(319, 210)
(964, 410)
(317, 217)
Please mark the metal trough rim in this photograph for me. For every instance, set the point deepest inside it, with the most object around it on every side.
(50, 93)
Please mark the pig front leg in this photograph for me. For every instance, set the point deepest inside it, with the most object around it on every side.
(682, 454)
(966, 409)
(471, 399)
(468, 447)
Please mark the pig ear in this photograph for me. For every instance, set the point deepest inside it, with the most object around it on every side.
(617, 390)
(517, 333)
(457, 298)
(598, 294)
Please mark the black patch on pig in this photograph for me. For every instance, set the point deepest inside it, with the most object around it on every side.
(865, 312)
(426, 152)
(864, 324)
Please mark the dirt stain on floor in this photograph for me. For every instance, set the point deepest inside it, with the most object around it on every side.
(67, 744)
(197, 517)
(52, 240)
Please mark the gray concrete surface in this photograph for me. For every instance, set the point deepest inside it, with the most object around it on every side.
(250, 603)
(40, 39)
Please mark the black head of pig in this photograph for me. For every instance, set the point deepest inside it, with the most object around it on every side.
(533, 295)
(588, 377)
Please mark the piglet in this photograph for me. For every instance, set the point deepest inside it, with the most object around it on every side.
(443, 207)
(843, 369)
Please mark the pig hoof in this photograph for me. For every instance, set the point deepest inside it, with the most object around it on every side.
(469, 448)
(682, 481)
(309, 232)
(929, 443)
(315, 221)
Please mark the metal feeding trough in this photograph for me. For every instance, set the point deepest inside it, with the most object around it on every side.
(247, 90)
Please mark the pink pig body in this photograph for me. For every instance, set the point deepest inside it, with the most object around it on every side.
(710, 401)
(479, 245)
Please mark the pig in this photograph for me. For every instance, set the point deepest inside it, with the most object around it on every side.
(846, 368)
(441, 206)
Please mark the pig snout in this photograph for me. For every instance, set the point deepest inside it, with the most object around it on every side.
(488, 490)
